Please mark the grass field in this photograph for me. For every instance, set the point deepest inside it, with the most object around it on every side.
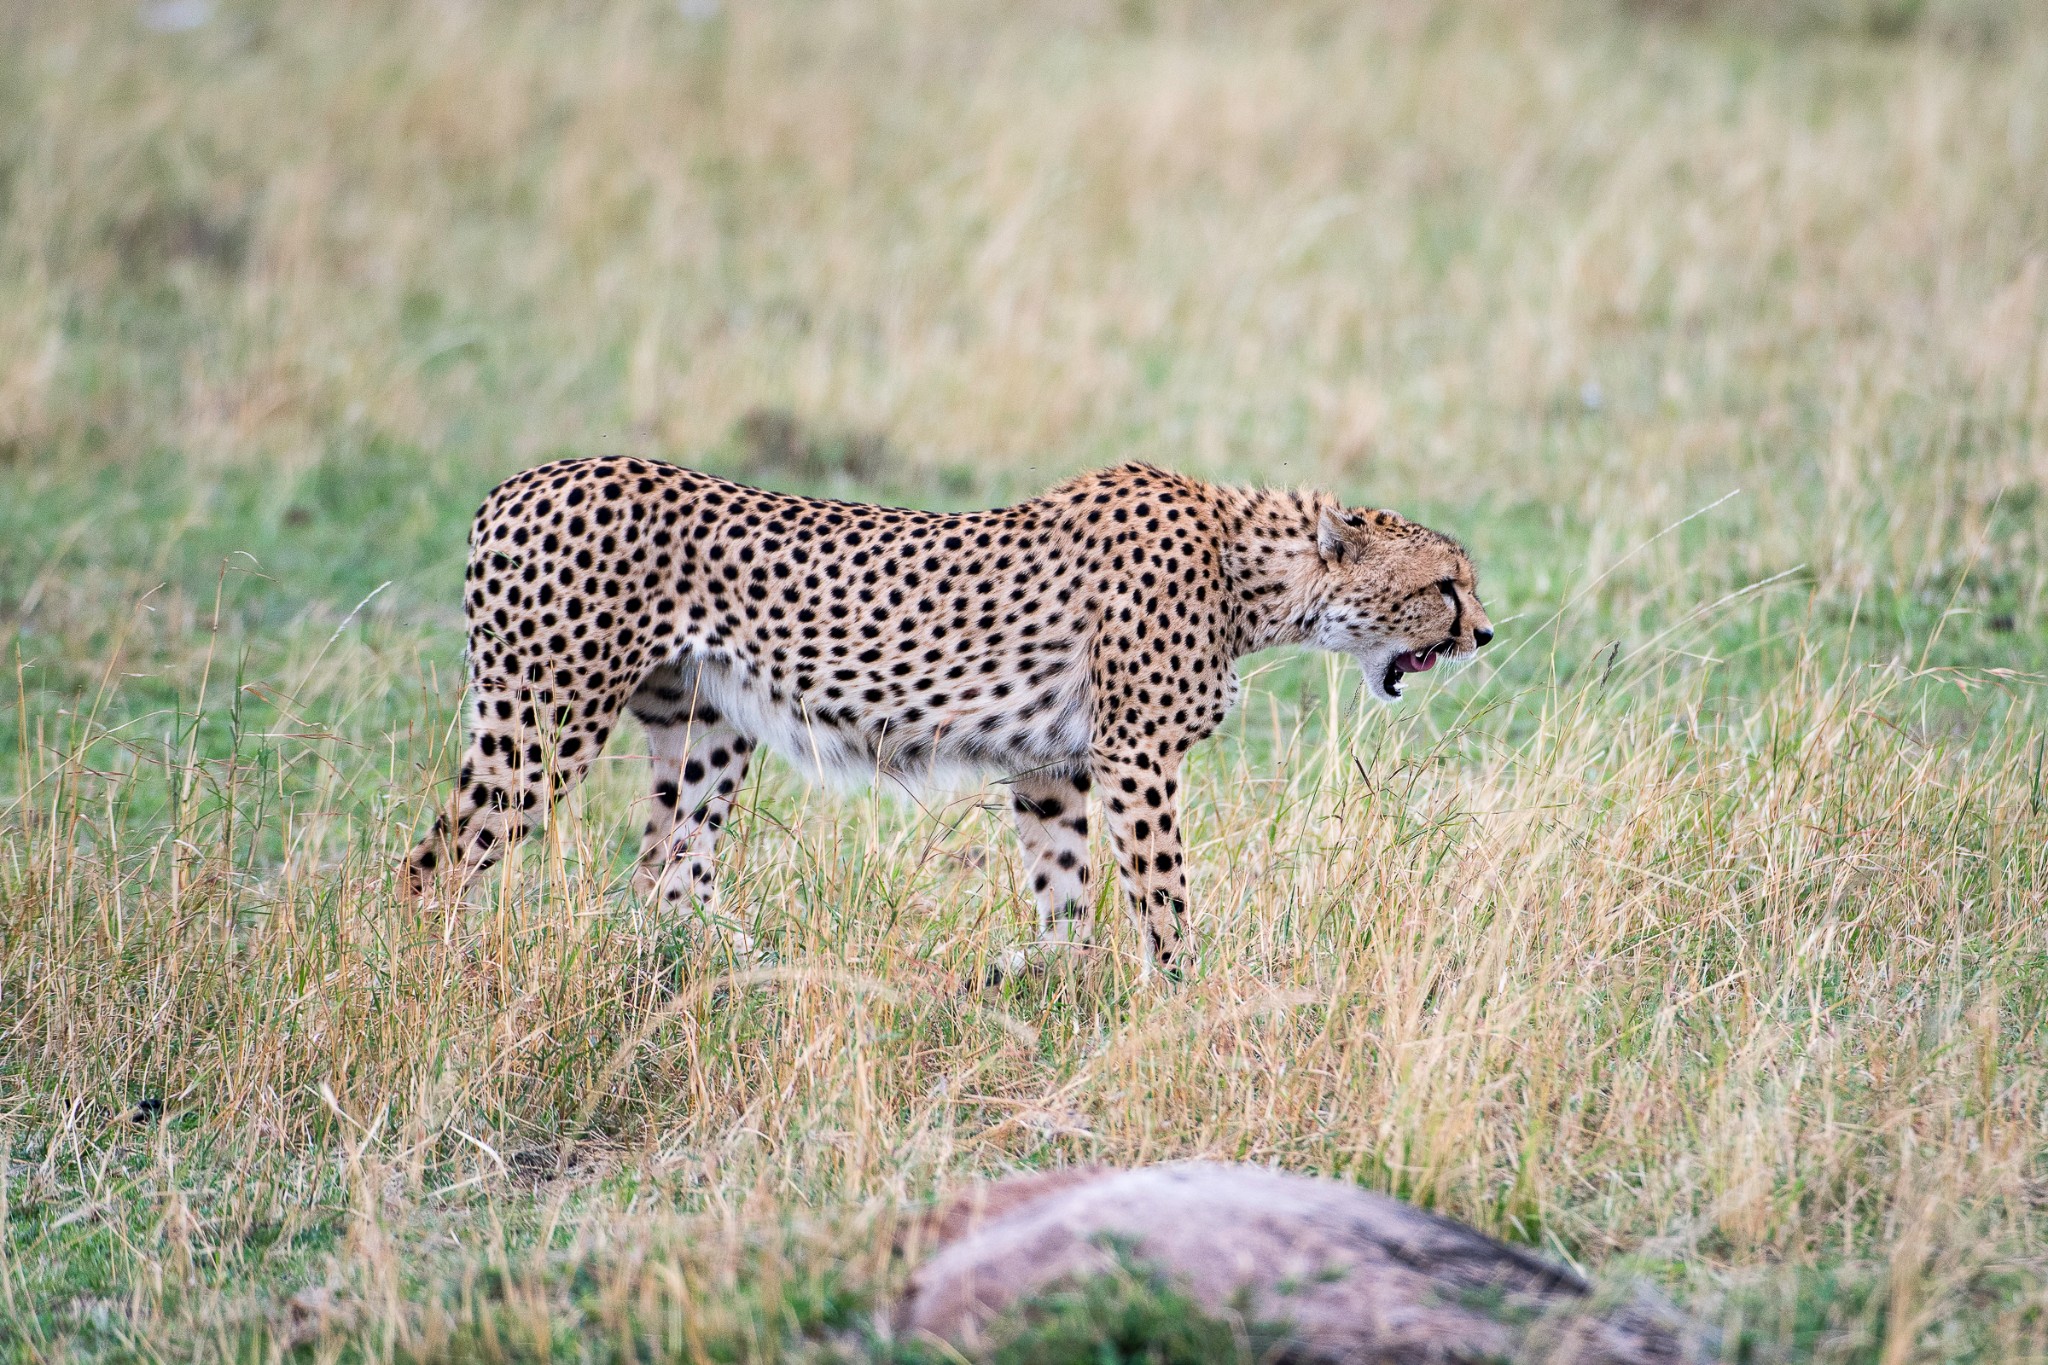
(1695, 937)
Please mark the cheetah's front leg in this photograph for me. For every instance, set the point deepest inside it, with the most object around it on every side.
(1052, 826)
(1140, 793)
(697, 770)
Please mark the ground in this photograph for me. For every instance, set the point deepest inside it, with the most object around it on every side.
(1695, 935)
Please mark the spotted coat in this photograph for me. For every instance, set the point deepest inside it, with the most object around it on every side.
(1085, 638)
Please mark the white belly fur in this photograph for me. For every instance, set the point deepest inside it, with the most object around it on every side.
(941, 757)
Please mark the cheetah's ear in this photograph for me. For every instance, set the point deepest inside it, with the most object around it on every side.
(1339, 535)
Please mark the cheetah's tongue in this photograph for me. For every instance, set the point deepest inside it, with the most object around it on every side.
(1416, 662)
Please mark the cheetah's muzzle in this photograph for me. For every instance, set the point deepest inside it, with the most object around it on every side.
(1414, 661)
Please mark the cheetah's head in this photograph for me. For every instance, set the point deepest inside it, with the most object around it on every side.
(1398, 597)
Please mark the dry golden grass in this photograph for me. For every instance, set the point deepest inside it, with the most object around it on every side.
(1697, 936)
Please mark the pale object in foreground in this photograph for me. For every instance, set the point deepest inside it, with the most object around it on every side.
(1355, 1276)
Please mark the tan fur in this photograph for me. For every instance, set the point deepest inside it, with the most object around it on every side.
(1086, 637)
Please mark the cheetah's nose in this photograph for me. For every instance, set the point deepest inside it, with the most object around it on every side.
(1482, 636)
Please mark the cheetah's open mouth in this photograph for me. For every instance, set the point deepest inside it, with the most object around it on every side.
(1413, 661)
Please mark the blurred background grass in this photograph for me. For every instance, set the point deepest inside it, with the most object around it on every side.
(1661, 935)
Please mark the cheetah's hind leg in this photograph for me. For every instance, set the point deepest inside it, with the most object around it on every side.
(528, 746)
(699, 762)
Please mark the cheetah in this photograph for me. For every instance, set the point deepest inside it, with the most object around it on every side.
(1078, 641)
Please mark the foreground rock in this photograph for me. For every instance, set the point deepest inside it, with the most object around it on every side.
(1353, 1276)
